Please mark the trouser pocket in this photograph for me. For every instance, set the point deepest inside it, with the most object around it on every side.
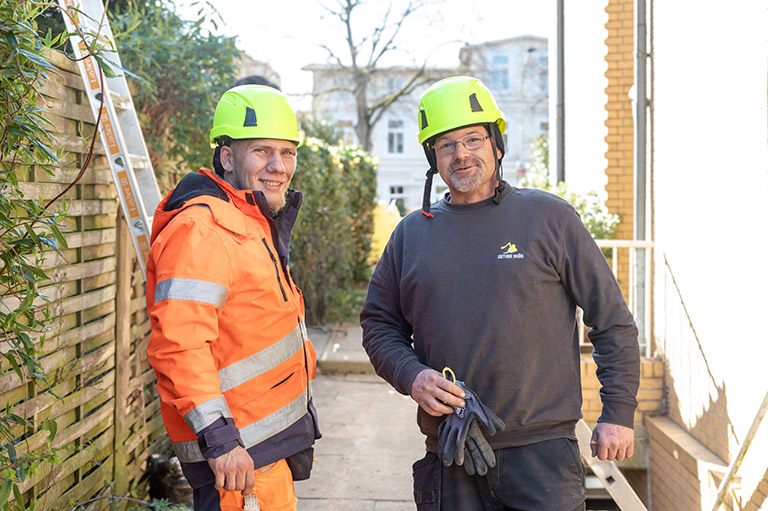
(426, 483)
(301, 464)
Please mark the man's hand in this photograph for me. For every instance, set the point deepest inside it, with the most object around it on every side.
(612, 442)
(233, 471)
(431, 391)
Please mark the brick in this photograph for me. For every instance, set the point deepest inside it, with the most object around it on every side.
(649, 406)
(651, 383)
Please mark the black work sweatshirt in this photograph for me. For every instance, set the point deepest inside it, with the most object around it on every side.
(490, 290)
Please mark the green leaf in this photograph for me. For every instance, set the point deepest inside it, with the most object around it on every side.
(51, 242)
(5, 493)
(51, 426)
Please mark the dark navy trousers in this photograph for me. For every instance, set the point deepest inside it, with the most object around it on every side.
(544, 476)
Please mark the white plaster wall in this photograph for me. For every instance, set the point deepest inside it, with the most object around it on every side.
(585, 100)
(710, 198)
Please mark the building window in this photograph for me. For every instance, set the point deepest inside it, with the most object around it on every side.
(395, 83)
(397, 194)
(347, 129)
(395, 135)
(500, 72)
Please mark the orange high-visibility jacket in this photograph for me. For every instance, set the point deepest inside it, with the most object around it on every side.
(228, 343)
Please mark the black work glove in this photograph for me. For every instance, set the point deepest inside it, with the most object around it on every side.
(453, 432)
(478, 454)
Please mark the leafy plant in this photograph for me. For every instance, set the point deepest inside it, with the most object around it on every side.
(27, 231)
(599, 222)
(332, 237)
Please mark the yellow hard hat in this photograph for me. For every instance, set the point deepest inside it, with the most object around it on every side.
(254, 111)
(455, 102)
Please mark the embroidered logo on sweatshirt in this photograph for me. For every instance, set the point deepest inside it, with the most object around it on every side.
(510, 252)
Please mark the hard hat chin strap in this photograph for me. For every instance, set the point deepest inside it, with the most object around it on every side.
(494, 129)
(432, 160)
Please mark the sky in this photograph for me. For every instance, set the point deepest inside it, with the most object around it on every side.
(287, 34)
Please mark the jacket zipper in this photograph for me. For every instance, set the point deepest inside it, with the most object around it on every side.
(277, 269)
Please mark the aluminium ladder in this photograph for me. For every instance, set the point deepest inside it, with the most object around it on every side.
(119, 126)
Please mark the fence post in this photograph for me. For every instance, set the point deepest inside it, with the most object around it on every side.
(122, 351)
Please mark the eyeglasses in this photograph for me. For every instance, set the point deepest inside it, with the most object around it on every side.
(470, 143)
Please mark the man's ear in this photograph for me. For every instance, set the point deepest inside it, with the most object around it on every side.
(226, 156)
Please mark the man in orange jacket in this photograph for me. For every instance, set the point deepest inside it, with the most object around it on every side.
(228, 344)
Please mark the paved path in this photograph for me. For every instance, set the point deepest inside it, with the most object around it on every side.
(370, 438)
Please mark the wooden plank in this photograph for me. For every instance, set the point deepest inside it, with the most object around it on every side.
(89, 238)
(69, 434)
(58, 479)
(87, 300)
(41, 402)
(60, 359)
(83, 270)
(97, 172)
(79, 334)
(69, 110)
(88, 488)
(122, 350)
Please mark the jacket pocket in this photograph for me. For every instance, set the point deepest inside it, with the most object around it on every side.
(277, 268)
(426, 483)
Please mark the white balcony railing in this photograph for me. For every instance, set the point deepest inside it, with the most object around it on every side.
(637, 287)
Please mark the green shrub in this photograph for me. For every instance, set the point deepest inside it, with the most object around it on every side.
(331, 240)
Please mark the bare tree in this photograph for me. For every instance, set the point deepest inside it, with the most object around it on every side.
(357, 70)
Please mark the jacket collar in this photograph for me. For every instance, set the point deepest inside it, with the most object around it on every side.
(206, 188)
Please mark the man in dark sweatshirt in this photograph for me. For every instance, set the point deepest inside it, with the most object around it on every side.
(487, 282)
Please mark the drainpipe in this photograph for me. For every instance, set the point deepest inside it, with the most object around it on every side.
(557, 100)
(642, 262)
(641, 106)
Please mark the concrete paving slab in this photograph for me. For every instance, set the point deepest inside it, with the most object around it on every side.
(370, 440)
(343, 352)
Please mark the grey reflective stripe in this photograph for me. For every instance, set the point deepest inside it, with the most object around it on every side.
(254, 433)
(304, 335)
(204, 414)
(261, 362)
(192, 290)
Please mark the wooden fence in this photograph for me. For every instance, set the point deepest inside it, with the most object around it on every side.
(108, 411)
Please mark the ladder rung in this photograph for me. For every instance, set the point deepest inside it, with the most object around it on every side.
(139, 162)
(119, 101)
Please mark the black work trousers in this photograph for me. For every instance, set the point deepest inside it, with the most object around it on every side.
(545, 476)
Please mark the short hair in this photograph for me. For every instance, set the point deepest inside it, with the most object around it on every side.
(255, 80)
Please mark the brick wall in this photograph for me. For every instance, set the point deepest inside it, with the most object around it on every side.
(620, 138)
(684, 473)
(650, 396)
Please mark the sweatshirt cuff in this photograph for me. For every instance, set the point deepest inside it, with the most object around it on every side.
(406, 374)
(219, 438)
(615, 412)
